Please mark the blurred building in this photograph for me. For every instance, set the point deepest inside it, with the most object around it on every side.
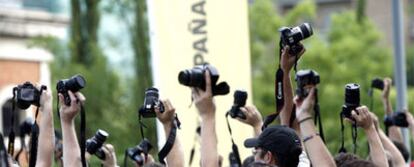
(21, 20)
(379, 11)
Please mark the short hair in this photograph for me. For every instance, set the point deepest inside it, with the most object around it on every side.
(403, 150)
(247, 161)
(259, 164)
(358, 163)
(342, 158)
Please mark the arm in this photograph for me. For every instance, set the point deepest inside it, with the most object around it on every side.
(376, 150)
(394, 131)
(253, 118)
(287, 62)
(46, 131)
(315, 148)
(176, 156)
(207, 111)
(71, 150)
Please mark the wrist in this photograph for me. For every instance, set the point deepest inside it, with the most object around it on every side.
(303, 115)
(369, 129)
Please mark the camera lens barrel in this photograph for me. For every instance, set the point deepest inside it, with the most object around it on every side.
(352, 95)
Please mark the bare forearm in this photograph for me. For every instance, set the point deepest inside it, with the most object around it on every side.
(288, 103)
(71, 150)
(376, 149)
(46, 139)
(397, 158)
(209, 154)
(316, 149)
(387, 105)
(176, 156)
(257, 130)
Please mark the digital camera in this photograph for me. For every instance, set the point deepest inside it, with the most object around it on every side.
(94, 144)
(240, 98)
(292, 36)
(352, 99)
(74, 84)
(135, 152)
(27, 94)
(304, 78)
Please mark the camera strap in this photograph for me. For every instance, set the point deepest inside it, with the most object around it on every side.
(35, 136)
(3, 154)
(318, 119)
(192, 152)
(371, 98)
(354, 131)
(10, 148)
(235, 149)
(170, 141)
(82, 135)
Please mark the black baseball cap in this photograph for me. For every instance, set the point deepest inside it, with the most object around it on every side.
(279, 140)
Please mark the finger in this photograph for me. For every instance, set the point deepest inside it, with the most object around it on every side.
(195, 92)
(244, 110)
(61, 98)
(169, 105)
(72, 97)
(297, 101)
(110, 147)
(355, 115)
(208, 81)
(80, 96)
(106, 152)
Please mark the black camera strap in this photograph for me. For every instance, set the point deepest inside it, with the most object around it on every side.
(83, 136)
(354, 131)
(235, 149)
(35, 136)
(318, 119)
(170, 140)
(192, 152)
(3, 154)
(10, 148)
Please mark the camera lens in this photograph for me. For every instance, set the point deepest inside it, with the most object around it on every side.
(193, 77)
(352, 97)
(101, 135)
(240, 98)
(306, 30)
(76, 83)
(184, 77)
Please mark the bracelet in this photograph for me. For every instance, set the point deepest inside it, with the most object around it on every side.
(305, 119)
(305, 139)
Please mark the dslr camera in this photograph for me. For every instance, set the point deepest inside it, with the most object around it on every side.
(150, 102)
(94, 144)
(195, 78)
(352, 99)
(292, 36)
(135, 152)
(304, 78)
(240, 98)
(74, 84)
(377, 83)
(396, 119)
(27, 94)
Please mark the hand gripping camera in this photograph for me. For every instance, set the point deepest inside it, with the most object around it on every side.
(292, 36)
(396, 119)
(240, 98)
(27, 94)
(195, 78)
(150, 102)
(94, 144)
(352, 99)
(74, 84)
(135, 152)
(304, 78)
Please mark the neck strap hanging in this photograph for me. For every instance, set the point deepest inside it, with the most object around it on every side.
(10, 148)
(170, 140)
(3, 155)
(318, 119)
(235, 149)
(192, 152)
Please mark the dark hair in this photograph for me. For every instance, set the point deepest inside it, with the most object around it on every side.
(358, 163)
(247, 161)
(342, 158)
(291, 159)
(259, 164)
(402, 149)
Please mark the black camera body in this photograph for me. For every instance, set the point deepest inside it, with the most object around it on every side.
(352, 99)
(195, 78)
(26, 127)
(396, 119)
(240, 98)
(94, 144)
(292, 36)
(27, 94)
(74, 84)
(135, 152)
(150, 102)
(304, 78)
(377, 83)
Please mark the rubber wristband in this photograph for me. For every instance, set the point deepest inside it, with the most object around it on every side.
(307, 138)
(305, 119)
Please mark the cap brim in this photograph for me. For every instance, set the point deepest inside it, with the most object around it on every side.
(252, 142)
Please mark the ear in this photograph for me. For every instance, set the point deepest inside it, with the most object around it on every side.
(268, 157)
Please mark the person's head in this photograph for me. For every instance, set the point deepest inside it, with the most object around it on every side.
(402, 149)
(276, 145)
(247, 161)
(343, 158)
(358, 163)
